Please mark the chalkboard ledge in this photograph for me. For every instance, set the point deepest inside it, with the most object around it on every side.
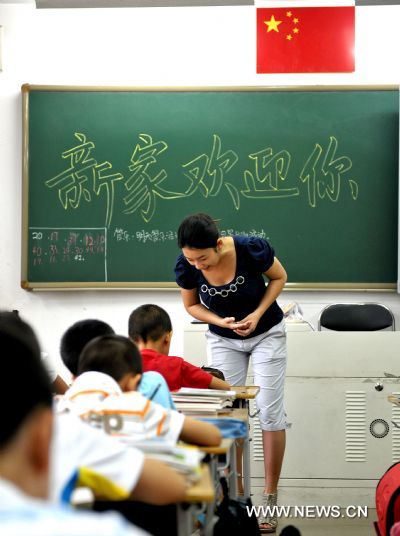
(169, 286)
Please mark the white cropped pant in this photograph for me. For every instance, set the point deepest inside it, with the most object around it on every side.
(268, 353)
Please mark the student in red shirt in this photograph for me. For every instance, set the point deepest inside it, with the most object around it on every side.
(151, 329)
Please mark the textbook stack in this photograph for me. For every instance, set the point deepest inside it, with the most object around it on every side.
(202, 402)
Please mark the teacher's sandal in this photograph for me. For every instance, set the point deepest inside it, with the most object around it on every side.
(269, 522)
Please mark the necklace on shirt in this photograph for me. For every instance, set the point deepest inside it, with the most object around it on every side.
(233, 287)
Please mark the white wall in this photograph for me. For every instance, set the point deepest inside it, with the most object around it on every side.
(140, 47)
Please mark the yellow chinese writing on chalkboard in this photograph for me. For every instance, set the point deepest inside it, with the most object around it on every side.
(210, 174)
(83, 177)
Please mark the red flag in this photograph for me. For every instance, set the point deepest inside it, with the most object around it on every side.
(305, 40)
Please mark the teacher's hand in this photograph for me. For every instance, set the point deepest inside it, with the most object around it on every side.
(247, 325)
(229, 322)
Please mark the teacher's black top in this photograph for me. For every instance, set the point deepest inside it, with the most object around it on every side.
(243, 294)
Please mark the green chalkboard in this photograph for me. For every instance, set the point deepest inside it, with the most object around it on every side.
(109, 174)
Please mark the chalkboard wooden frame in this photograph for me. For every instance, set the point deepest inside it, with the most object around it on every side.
(165, 285)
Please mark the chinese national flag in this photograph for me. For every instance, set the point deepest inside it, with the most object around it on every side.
(305, 40)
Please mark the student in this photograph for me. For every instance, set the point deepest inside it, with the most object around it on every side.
(104, 394)
(25, 439)
(152, 385)
(151, 329)
(77, 336)
(84, 456)
(58, 384)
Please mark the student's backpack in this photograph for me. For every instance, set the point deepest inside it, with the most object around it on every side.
(214, 372)
(233, 516)
(387, 500)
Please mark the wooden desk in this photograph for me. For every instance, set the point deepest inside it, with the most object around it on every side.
(246, 392)
(234, 413)
(240, 414)
(218, 468)
(202, 491)
(223, 448)
(243, 415)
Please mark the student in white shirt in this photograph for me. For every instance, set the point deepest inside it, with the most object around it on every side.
(152, 385)
(104, 394)
(25, 442)
(82, 456)
(86, 457)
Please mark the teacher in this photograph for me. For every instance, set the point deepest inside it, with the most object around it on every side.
(222, 283)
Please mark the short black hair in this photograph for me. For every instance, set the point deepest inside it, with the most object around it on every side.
(198, 231)
(290, 530)
(114, 355)
(77, 336)
(148, 322)
(26, 385)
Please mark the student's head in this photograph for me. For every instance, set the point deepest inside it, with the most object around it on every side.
(76, 337)
(25, 399)
(199, 240)
(149, 324)
(10, 320)
(116, 356)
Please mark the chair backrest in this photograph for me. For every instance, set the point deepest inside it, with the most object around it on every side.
(356, 317)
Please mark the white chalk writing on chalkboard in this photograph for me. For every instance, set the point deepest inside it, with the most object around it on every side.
(155, 235)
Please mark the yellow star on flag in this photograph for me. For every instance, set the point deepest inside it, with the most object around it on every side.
(272, 24)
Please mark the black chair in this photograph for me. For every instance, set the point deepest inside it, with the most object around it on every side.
(356, 317)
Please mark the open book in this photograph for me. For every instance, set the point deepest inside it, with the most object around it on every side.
(184, 459)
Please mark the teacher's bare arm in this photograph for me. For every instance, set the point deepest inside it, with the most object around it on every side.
(277, 278)
(195, 308)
